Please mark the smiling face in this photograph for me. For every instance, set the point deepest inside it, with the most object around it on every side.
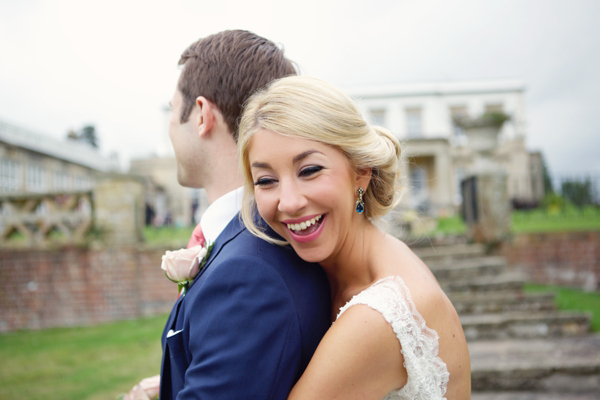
(305, 190)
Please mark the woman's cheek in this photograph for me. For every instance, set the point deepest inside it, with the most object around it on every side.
(263, 204)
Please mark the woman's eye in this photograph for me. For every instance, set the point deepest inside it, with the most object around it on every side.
(308, 171)
(264, 182)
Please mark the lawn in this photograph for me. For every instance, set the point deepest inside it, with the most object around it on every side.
(168, 236)
(534, 221)
(91, 363)
(572, 299)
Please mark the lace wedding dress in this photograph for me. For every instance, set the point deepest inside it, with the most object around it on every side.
(427, 373)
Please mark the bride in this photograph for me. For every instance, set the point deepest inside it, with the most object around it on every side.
(318, 174)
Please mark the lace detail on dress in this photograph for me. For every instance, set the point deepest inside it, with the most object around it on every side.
(427, 373)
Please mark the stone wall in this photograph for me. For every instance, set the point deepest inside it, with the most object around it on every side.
(74, 286)
(562, 258)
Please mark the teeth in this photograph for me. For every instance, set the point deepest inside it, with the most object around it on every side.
(305, 224)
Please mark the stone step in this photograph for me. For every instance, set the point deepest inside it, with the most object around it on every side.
(447, 253)
(500, 302)
(468, 268)
(523, 325)
(559, 367)
(508, 282)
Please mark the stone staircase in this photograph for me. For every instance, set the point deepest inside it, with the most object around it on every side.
(521, 347)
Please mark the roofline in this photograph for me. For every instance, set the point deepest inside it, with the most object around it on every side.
(71, 151)
(437, 88)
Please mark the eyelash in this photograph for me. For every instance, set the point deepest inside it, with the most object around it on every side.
(308, 171)
(264, 182)
(305, 172)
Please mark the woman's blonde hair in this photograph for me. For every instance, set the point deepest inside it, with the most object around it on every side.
(309, 108)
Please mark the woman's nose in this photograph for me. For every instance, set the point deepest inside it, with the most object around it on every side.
(291, 199)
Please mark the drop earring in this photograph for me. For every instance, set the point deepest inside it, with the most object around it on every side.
(360, 204)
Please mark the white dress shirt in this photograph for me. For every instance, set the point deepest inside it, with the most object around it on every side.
(219, 213)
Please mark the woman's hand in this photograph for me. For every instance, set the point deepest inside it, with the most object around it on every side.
(147, 389)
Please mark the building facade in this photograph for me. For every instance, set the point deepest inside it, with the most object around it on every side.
(167, 202)
(34, 163)
(437, 155)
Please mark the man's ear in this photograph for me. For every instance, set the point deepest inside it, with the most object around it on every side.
(363, 178)
(206, 116)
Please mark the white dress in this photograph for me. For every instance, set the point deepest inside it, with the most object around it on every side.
(427, 373)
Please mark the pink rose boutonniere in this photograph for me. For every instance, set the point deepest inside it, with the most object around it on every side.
(182, 266)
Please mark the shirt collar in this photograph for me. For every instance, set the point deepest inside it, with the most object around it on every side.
(219, 213)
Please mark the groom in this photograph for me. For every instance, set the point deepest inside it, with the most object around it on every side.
(255, 313)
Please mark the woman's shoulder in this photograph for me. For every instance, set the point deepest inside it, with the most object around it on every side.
(359, 357)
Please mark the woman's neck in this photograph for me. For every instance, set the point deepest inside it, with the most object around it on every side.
(352, 268)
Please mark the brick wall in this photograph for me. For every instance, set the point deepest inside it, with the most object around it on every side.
(73, 286)
(563, 258)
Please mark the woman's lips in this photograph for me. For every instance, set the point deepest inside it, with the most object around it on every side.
(307, 230)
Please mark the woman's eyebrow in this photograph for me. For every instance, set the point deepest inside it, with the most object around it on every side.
(304, 154)
(261, 165)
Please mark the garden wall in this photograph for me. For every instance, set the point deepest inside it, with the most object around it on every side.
(561, 258)
(75, 286)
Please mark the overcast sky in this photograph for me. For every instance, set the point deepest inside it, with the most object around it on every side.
(113, 63)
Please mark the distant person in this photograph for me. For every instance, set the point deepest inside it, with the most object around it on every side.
(318, 174)
(251, 320)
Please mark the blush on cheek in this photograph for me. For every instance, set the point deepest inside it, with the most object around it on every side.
(264, 210)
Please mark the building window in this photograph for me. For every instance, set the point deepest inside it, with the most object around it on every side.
(457, 113)
(378, 117)
(82, 183)
(36, 181)
(460, 174)
(418, 186)
(10, 176)
(61, 181)
(494, 108)
(414, 123)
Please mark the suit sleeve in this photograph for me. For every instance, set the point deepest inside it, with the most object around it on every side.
(244, 337)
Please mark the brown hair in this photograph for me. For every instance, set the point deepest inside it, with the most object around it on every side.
(227, 68)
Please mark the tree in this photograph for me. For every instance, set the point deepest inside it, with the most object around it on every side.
(578, 192)
(87, 134)
(548, 187)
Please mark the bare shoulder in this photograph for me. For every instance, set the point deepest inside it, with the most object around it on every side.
(359, 357)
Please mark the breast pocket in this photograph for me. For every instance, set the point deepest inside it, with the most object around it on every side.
(178, 357)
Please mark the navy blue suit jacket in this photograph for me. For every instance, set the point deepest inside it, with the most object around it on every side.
(248, 325)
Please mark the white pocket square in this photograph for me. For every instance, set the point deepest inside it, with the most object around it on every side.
(173, 333)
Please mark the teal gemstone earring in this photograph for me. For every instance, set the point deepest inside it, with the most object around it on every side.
(360, 204)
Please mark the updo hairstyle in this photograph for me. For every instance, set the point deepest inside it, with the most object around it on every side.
(309, 108)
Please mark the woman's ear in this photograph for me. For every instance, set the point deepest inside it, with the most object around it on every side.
(206, 117)
(363, 178)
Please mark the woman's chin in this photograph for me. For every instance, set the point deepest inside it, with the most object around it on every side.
(309, 255)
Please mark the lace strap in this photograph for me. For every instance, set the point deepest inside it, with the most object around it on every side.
(427, 374)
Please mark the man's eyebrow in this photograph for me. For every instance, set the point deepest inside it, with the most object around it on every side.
(304, 154)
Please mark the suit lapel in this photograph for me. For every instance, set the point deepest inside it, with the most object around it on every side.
(233, 229)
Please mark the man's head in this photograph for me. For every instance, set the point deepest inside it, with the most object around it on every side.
(219, 74)
(226, 68)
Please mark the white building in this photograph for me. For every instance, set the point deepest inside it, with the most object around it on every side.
(437, 154)
(30, 162)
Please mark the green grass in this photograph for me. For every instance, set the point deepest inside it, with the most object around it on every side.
(93, 363)
(569, 219)
(572, 299)
(534, 221)
(168, 236)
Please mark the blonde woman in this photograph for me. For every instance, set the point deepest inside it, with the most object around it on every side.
(318, 174)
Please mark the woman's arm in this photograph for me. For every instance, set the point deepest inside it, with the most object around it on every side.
(359, 358)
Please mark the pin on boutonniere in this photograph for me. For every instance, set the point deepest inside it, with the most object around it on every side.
(182, 266)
